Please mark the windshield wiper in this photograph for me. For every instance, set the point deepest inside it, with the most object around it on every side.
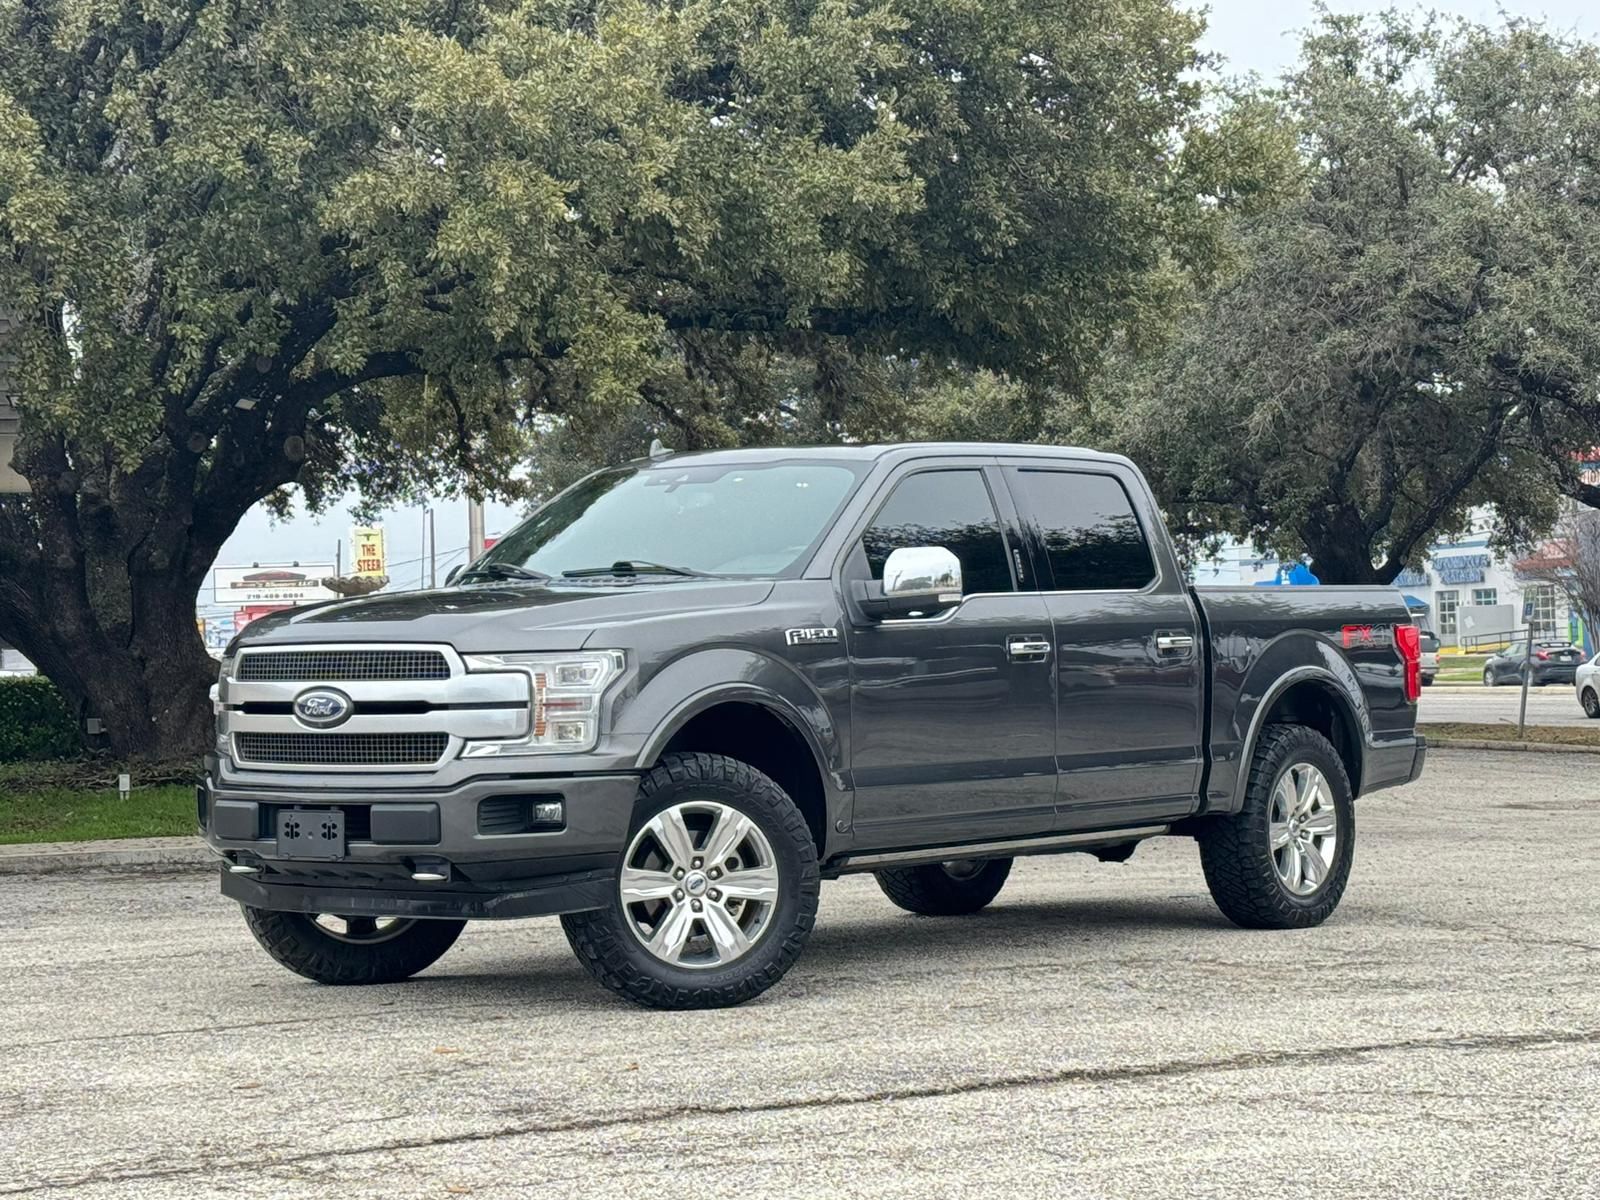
(634, 567)
(499, 570)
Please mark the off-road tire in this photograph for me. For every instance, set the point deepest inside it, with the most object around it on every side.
(1236, 852)
(1591, 703)
(934, 891)
(299, 943)
(607, 947)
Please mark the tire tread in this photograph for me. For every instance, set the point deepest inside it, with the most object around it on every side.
(293, 940)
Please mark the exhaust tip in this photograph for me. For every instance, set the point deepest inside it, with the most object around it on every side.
(428, 877)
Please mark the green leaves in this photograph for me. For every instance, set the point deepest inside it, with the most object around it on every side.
(1412, 335)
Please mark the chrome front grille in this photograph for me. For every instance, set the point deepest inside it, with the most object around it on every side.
(342, 749)
(414, 707)
(340, 666)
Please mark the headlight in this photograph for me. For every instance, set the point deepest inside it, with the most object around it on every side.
(219, 706)
(565, 691)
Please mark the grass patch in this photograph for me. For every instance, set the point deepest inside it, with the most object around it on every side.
(1461, 668)
(78, 802)
(1564, 735)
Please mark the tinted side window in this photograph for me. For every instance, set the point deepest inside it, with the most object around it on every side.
(1090, 534)
(952, 509)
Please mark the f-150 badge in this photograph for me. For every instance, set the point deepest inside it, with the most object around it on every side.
(811, 637)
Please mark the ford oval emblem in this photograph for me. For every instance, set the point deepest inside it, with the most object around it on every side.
(323, 708)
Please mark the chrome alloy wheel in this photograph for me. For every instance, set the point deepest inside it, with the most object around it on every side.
(1304, 829)
(362, 931)
(699, 884)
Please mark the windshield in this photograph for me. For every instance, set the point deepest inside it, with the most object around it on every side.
(755, 519)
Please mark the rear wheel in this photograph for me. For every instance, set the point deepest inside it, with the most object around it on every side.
(1591, 703)
(946, 889)
(351, 950)
(1283, 861)
(716, 894)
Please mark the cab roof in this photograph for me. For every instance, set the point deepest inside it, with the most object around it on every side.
(893, 451)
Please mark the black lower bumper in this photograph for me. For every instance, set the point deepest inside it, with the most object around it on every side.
(578, 891)
(1393, 763)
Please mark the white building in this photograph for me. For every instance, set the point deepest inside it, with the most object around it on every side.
(1464, 574)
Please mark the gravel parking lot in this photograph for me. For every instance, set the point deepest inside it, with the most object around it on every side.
(1100, 1031)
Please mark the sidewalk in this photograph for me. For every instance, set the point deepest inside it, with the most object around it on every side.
(124, 854)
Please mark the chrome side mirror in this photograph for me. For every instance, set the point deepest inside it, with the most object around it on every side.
(916, 580)
(922, 573)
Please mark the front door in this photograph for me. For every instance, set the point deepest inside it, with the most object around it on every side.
(1128, 658)
(952, 715)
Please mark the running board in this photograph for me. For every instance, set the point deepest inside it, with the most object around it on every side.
(1011, 848)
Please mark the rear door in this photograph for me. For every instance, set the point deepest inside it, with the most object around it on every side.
(953, 714)
(1128, 660)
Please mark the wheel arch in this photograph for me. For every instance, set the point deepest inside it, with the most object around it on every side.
(758, 710)
(1314, 697)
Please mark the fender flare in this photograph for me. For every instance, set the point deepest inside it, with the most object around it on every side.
(1346, 696)
(703, 679)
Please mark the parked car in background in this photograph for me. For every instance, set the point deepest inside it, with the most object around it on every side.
(1550, 662)
(1586, 683)
(1430, 656)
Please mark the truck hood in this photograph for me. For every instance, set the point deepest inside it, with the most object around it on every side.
(484, 618)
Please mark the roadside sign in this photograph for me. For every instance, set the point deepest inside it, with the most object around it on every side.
(266, 583)
(369, 555)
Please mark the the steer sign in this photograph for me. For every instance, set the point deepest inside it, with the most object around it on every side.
(367, 551)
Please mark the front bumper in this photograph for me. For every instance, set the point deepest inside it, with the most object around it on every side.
(535, 897)
(406, 830)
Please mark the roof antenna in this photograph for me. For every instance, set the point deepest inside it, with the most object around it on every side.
(657, 450)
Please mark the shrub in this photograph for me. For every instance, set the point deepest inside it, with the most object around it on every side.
(35, 722)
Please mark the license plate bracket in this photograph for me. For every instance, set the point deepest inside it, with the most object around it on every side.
(310, 833)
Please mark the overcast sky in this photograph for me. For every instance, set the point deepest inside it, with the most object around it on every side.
(1253, 35)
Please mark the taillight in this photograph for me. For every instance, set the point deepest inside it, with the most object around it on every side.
(1408, 638)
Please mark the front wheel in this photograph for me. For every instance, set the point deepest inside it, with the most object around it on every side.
(1283, 861)
(945, 889)
(1490, 679)
(716, 894)
(351, 950)
(1591, 703)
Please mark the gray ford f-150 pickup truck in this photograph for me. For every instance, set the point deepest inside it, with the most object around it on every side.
(688, 689)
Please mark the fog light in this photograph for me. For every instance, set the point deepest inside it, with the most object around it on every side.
(548, 813)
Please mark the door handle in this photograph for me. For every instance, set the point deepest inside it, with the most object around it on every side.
(1174, 643)
(1023, 647)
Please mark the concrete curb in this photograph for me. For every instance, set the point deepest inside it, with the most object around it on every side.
(123, 854)
(1486, 744)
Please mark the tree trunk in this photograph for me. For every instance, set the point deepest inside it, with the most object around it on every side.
(98, 577)
(146, 678)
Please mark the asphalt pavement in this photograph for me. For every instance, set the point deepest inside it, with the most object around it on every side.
(1554, 704)
(1099, 1032)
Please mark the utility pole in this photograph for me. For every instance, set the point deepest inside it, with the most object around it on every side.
(433, 552)
(474, 529)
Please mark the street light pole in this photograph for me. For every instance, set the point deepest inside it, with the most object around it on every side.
(474, 529)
